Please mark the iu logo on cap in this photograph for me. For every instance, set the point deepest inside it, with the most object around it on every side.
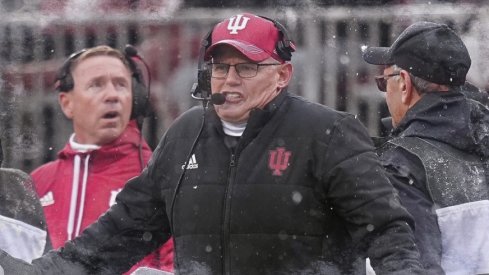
(237, 23)
(278, 160)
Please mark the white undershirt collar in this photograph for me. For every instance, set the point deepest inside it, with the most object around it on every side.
(233, 129)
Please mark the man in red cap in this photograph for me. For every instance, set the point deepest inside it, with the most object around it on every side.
(260, 182)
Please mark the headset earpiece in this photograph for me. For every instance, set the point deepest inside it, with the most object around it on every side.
(66, 83)
(204, 81)
(64, 80)
(140, 93)
(284, 47)
(202, 91)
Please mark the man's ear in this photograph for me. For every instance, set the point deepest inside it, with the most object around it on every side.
(406, 88)
(285, 75)
(66, 102)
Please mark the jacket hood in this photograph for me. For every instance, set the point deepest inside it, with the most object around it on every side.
(451, 118)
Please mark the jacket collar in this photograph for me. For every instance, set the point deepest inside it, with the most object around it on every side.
(125, 143)
(258, 117)
(448, 117)
(434, 106)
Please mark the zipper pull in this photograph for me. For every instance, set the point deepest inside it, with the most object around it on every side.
(232, 163)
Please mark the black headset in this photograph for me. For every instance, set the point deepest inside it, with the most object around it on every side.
(202, 89)
(140, 93)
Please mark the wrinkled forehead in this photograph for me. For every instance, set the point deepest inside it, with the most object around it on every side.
(91, 63)
(111, 53)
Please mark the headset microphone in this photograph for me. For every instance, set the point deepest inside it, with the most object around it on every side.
(218, 99)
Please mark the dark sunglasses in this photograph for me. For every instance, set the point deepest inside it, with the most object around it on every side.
(381, 81)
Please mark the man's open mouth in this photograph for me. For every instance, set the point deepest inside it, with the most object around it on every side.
(110, 115)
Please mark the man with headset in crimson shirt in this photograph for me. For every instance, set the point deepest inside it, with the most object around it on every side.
(263, 182)
(106, 149)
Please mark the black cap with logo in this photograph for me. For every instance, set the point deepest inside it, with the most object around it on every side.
(431, 51)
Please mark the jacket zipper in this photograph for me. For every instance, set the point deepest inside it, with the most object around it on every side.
(226, 221)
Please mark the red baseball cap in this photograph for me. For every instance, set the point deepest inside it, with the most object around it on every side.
(254, 36)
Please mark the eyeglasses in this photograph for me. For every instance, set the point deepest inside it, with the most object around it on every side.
(244, 70)
(381, 81)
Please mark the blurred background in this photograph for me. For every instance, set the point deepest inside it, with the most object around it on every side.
(36, 36)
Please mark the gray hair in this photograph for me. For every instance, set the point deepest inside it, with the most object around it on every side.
(422, 86)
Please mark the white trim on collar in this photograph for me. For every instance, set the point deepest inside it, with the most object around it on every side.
(233, 129)
(82, 148)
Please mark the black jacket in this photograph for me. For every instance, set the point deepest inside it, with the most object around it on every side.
(303, 192)
(439, 126)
